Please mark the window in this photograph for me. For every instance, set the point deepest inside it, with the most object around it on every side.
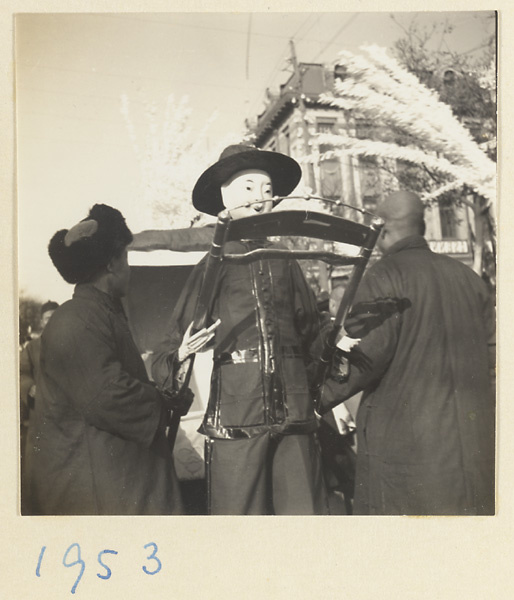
(448, 222)
(330, 179)
(365, 129)
(369, 177)
(449, 77)
(371, 185)
(325, 126)
(369, 203)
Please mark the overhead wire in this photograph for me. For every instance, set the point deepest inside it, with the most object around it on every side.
(337, 34)
(299, 39)
(248, 37)
(131, 77)
(277, 68)
(204, 27)
(295, 37)
(302, 24)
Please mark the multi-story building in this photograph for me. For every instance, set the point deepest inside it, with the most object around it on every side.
(289, 124)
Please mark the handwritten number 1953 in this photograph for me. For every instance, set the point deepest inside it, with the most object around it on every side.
(78, 561)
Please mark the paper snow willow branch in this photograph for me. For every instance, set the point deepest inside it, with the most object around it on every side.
(377, 87)
(417, 105)
(461, 175)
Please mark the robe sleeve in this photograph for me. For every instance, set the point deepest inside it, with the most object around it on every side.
(376, 318)
(83, 359)
(164, 357)
(489, 315)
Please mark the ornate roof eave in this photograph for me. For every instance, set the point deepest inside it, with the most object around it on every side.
(276, 112)
(273, 113)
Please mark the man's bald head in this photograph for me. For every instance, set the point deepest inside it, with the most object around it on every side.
(400, 206)
(403, 214)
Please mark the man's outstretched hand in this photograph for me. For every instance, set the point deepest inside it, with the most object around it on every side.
(192, 343)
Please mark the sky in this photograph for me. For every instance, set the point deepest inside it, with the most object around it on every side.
(74, 148)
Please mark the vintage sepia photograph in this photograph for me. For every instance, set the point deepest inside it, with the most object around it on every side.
(257, 260)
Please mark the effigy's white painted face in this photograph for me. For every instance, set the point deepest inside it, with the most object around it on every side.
(247, 186)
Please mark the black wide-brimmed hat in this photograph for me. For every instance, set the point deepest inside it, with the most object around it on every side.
(84, 250)
(284, 171)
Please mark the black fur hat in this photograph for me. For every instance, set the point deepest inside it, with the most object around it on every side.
(84, 250)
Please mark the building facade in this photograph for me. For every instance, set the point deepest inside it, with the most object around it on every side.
(290, 123)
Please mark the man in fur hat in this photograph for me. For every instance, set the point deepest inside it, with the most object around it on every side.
(262, 455)
(425, 425)
(101, 447)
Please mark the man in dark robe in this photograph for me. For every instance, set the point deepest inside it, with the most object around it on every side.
(425, 425)
(101, 447)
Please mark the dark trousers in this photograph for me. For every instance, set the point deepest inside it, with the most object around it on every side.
(339, 460)
(268, 474)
